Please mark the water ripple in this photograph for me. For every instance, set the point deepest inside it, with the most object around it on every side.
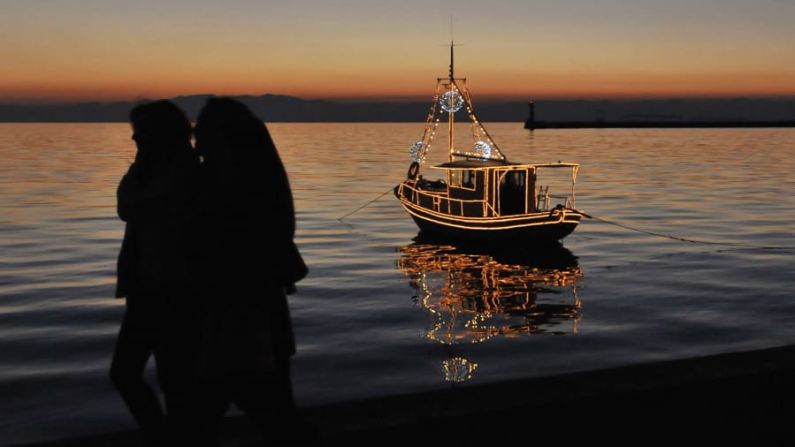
(377, 317)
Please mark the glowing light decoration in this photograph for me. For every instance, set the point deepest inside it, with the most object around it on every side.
(483, 149)
(458, 369)
(451, 101)
(416, 152)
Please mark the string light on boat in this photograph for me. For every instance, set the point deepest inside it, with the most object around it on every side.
(416, 152)
(483, 149)
(451, 101)
(430, 140)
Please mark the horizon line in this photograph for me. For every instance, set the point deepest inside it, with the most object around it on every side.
(412, 98)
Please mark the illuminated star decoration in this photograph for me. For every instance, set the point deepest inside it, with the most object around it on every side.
(483, 149)
(451, 101)
(416, 152)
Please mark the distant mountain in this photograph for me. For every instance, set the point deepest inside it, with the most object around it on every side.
(279, 108)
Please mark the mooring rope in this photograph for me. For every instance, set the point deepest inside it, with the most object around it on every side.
(627, 227)
(366, 204)
(683, 239)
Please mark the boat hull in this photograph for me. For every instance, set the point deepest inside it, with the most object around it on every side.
(536, 228)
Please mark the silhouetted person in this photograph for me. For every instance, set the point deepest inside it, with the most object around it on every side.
(154, 199)
(249, 262)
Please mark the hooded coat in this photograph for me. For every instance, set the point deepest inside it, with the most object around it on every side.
(155, 200)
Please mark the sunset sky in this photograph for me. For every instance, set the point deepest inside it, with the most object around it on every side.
(55, 50)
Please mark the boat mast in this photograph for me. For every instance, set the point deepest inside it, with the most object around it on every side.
(451, 113)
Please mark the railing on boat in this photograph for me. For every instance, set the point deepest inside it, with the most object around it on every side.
(439, 199)
(442, 203)
(544, 199)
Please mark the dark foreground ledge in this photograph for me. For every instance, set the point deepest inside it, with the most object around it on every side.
(737, 398)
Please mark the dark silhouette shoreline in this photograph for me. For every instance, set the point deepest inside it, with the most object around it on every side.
(735, 397)
(724, 112)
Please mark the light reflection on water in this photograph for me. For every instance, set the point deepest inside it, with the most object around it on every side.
(359, 332)
(472, 295)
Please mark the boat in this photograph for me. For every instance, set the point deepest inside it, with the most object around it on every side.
(481, 195)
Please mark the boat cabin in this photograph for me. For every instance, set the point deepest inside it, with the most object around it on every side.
(490, 188)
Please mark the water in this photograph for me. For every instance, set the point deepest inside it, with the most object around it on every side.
(382, 315)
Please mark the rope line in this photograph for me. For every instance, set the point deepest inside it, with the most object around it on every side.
(365, 205)
(692, 241)
(626, 227)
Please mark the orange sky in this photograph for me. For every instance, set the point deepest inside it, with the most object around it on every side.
(107, 49)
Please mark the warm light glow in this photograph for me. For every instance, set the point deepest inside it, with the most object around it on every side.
(458, 369)
(360, 50)
(472, 297)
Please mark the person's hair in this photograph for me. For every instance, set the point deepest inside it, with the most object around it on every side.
(235, 123)
(162, 121)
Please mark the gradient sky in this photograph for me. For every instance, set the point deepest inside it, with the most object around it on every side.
(63, 50)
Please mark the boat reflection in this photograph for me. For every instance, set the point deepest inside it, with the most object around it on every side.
(474, 295)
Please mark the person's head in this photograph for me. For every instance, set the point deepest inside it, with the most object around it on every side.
(159, 127)
(227, 126)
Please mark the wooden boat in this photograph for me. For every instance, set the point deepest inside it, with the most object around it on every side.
(482, 195)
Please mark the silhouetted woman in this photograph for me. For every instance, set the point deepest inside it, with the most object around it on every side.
(247, 226)
(154, 199)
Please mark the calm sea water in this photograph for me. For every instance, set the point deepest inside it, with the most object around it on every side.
(381, 314)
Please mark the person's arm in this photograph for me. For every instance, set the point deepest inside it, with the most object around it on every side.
(140, 196)
(127, 193)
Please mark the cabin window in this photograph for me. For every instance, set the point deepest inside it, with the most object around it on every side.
(463, 179)
(468, 179)
(513, 192)
(455, 178)
(518, 178)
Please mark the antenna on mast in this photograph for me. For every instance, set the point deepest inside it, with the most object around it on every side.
(451, 47)
(451, 60)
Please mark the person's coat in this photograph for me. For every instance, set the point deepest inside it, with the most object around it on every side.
(155, 201)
